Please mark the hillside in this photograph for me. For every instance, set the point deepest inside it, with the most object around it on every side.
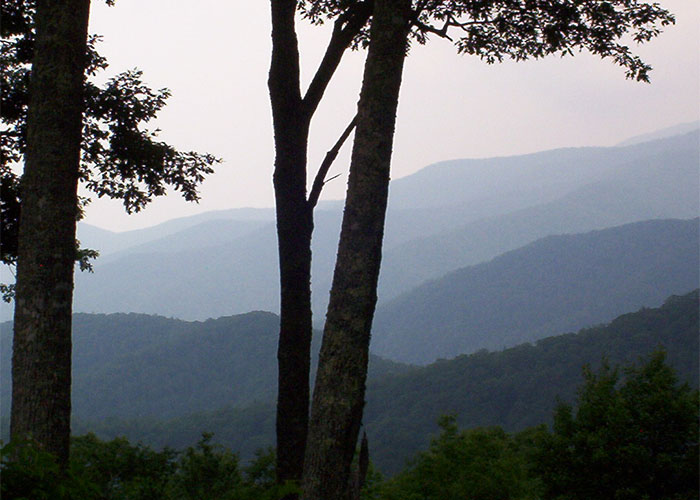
(139, 366)
(556, 284)
(681, 128)
(514, 388)
(518, 387)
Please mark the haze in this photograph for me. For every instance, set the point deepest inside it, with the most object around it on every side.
(215, 59)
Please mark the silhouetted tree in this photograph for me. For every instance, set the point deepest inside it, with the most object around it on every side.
(46, 54)
(41, 363)
(492, 30)
(338, 401)
(292, 114)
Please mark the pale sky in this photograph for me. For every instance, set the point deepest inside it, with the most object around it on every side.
(214, 56)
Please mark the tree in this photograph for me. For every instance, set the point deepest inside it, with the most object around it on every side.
(338, 400)
(46, 56)
(627, 439)
(491, 30)
(484, 463)
(46, 245)
(292, 116)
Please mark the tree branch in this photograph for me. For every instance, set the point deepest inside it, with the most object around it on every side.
(442, 32)
(449, 22)
(320, 179)
(283, 80)
(345, 29)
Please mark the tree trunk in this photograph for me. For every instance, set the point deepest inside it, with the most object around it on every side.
(41, 361)
(338, 399)
(291, 118)
(294, 228)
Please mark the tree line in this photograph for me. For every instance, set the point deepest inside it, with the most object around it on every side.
(631, 434)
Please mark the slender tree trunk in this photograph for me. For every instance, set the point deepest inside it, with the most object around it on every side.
(338, 399)
(41, 361)
(292, 117)
(294, 229)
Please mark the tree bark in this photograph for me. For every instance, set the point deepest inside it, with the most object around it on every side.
(291, 120)
(41, 361)
(338, 399)
(294, 228)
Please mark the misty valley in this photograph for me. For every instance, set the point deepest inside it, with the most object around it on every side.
(537, 319)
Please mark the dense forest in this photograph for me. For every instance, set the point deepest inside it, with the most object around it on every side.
(637, 423)
(166, 368)
(514, 388)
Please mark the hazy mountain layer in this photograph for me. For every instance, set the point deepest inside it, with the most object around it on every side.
(514, 388)
(681, 128)
(445, 217)
(556, 284)
(661, 185)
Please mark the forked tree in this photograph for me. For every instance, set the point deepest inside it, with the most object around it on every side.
(490, 29)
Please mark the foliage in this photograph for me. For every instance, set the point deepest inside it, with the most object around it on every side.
(28, 473)
(524, 29)
(206, 471)
(120, 158)
(483, 463)
(635, 438)
(118, 470)
(630, 436)
(517, 387)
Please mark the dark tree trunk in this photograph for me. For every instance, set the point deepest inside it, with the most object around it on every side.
(338, 399)
(41, 361)
(291, 118)
(294, 228)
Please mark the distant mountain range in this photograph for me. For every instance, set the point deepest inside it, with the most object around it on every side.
(163, 381)
(556, 284)
(444, 217)
(681, 128)
(479, 254)
(658, 180)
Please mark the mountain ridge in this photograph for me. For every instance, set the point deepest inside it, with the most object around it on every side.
(518, 295)
(514, 388)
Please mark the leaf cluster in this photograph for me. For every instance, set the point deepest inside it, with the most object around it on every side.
(630, 437)
(120, 158)
(124, 161)
(495, 30)
(483, 463)
(523, 29)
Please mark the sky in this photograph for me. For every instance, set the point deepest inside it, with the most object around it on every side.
(214, 57)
